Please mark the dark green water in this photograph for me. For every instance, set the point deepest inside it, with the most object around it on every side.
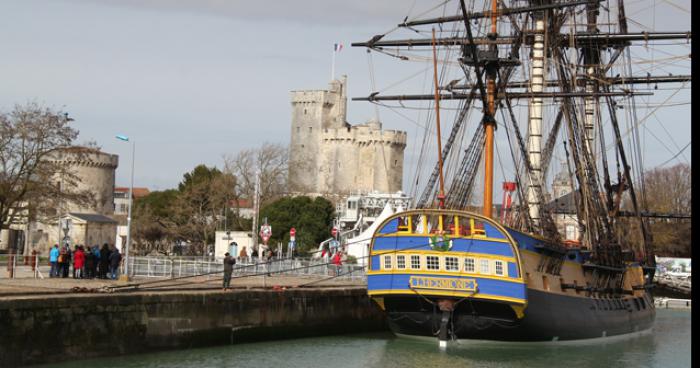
(667, 345)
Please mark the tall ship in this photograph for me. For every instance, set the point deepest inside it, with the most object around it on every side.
(557, 80)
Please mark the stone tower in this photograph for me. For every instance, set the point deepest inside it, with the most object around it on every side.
(328, 156)
(561, 185)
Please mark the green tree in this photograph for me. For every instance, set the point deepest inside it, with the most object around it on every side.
(152, 214)
(312, 219)
(203, 195)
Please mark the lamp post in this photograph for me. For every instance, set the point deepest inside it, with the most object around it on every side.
(128, 216)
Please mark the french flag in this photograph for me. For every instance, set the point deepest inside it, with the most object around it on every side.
(337, 47)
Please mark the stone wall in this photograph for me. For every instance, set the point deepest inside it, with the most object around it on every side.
(51, 329)
(328, 156)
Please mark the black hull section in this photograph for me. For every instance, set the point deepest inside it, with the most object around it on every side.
(548, 317)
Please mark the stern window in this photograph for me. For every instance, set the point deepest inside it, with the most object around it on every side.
(484, 266)
(432, 262)
(498, 268)
(387, 262)
(401, 262)
(451, 264)
(415, 262)
(469, 265)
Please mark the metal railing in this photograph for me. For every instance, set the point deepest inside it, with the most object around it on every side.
(171, 267)
(167, 267)
(20, 266)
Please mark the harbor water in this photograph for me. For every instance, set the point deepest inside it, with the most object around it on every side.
(668, 344)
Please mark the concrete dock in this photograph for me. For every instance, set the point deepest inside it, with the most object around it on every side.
(63, 319)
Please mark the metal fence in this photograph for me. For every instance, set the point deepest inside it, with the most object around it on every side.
(19, 266)
(178, 267)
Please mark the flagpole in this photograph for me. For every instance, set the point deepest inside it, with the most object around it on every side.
(333, 65)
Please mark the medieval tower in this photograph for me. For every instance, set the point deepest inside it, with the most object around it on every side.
(328, 156)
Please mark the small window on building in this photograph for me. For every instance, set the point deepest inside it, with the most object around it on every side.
(570, 232)
(469, 265)
(387, 262)
(432, 262)
(484, 266)
(415, 262)
(498, 268)
(401, 262)
(451, 264)
(304, 111)
(396, 162)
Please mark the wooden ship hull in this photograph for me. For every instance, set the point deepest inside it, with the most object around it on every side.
(484, 281)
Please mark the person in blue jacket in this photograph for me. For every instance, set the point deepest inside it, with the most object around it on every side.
(53, 259)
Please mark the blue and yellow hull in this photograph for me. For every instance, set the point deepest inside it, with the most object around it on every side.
(497, 283)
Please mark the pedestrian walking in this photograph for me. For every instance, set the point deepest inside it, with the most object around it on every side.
(114, 259)
(337, 261)
(104, 261)
(64, 259)
(228, 269)
(96, 254)
(268, 261)
(78, 262)
(243, 255)
(89, 264)
(53, 259)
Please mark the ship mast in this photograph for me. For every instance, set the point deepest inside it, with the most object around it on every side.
(441, 193)
(534, 146)
(490, 124)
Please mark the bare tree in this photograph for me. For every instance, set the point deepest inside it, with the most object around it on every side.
(30, 136)
(270, 160)
(668, 191)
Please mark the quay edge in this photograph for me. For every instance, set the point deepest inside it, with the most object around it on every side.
(56, 328)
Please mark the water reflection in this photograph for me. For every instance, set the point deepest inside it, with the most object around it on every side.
(667, 345)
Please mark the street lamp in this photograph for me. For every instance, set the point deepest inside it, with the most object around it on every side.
(128, 216)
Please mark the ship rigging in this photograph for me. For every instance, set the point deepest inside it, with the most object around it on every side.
(570, 61)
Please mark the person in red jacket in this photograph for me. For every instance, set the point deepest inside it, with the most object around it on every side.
(337, 261)
(78, 262)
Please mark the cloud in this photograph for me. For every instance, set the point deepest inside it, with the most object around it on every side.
(321, 12)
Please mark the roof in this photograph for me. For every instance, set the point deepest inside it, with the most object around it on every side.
(138, 192)
(93, 217)
(241, 203)
(564, 204)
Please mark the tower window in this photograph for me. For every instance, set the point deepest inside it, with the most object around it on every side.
(304, 111)
(310, 129)
(298, 129)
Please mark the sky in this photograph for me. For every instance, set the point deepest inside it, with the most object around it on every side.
(190, 81)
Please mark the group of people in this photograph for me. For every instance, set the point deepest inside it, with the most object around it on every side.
(88, 262)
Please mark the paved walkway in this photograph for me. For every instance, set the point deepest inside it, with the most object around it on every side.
(48, 286)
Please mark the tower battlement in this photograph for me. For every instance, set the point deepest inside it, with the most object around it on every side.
(329, 156)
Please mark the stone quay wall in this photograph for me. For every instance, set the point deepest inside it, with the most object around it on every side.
(57, 328)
